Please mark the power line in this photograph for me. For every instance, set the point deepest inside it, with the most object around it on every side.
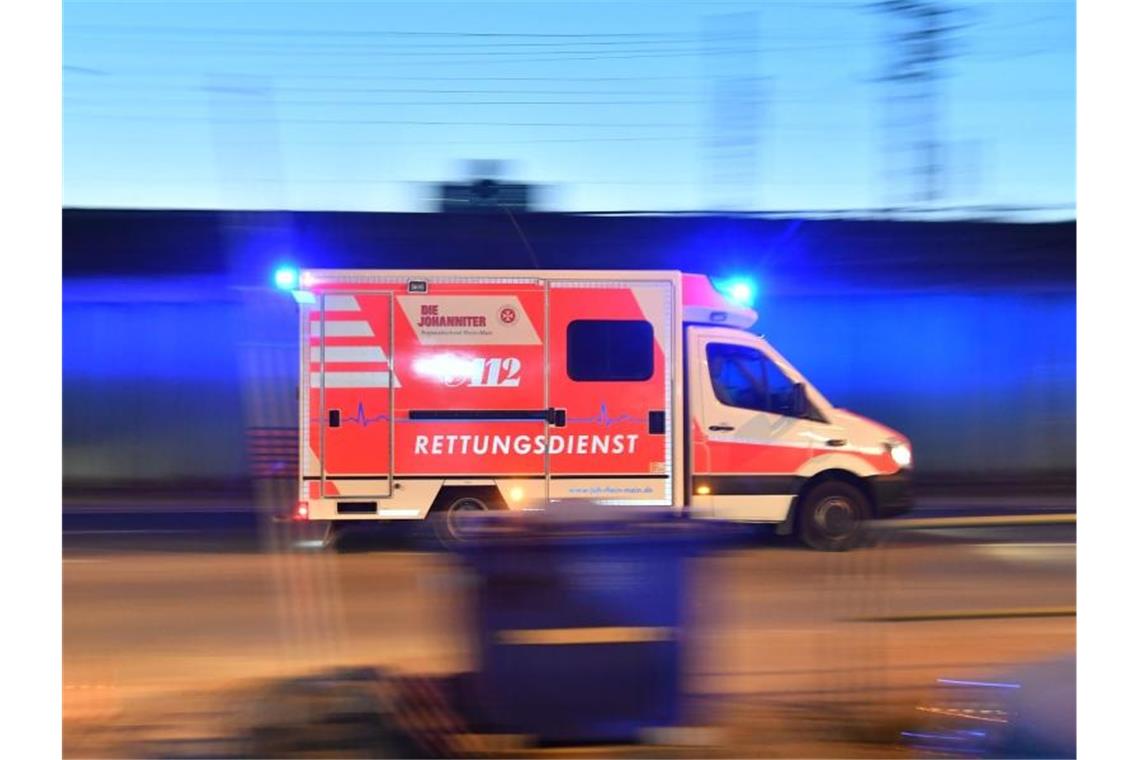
(131, 90)
(437, 59)
(186, 96)
(363, 181)
(311, 44)
(829, 129)
(946, 213)
(152, 74)
(578, 37)
(449, 52)
(1066, 49)
(812, 42)
(482, 49)
(137, 140)
(832, 129)
(233, 31)
(407, 103)
(367, 122)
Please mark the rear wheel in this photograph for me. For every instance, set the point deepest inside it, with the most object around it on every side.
(447, 518)
(832, 516)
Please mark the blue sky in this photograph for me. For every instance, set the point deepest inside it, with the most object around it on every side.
(360, 106)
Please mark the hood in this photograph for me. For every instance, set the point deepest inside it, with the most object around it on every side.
(852, 421)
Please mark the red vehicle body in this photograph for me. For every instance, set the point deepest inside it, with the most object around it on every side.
(430, 392)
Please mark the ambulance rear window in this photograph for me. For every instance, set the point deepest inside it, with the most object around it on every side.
(609, 350)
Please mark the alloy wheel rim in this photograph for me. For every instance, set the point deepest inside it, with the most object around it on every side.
(835, 516)
(461, 506)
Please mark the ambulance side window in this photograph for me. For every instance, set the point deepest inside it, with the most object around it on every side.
(745, 378)
(609, 350)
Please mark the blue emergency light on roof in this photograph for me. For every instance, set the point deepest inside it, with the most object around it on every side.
(285, 278)
(739, 290)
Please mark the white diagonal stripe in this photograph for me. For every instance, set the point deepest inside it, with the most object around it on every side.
(351, 380)
(348, 354)
(341, 303)
(338, 329)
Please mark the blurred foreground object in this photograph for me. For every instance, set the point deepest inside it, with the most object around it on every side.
(580, 619)
(1028, 712)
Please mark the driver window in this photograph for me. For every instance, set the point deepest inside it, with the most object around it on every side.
(745, 378)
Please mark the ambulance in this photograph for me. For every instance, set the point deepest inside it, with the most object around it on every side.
(426, 394)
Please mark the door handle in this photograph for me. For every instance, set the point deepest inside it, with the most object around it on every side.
(721, 427)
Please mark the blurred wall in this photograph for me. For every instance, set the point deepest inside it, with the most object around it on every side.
(151, 389)
(982, 381)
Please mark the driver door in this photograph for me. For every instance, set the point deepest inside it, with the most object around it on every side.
(751, 432)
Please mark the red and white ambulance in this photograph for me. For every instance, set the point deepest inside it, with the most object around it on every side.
(424, 394)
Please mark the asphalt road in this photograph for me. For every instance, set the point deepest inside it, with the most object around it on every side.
(148, 615)
(140, 526)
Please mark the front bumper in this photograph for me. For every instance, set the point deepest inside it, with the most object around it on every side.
(893, 494)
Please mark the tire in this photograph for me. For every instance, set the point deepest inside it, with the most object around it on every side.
(832, 516)
(444, 519)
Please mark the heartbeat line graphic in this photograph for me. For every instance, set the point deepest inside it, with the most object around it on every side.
(360, 418)
(603, 418)
(364, 420)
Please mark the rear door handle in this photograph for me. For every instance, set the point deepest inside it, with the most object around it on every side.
(721, 427)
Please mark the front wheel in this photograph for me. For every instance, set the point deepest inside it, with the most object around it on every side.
(832, 516)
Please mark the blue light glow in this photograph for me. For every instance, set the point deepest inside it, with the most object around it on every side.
(306, 297)
(739, 290)
(285, 278)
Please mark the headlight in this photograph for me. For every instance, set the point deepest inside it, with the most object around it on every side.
(899, 452)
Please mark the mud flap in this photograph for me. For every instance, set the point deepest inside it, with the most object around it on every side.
(788, 526)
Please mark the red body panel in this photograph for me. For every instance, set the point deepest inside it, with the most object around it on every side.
(615, 413)
(477, 347)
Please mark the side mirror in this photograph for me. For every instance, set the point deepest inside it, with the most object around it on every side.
(799, 400)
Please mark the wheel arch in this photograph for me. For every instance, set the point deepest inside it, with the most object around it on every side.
(449, 494)
(823, 476)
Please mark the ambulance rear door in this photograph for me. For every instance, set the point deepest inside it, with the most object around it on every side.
(351, 391)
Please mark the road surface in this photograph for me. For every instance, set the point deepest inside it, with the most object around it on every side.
(151, 616)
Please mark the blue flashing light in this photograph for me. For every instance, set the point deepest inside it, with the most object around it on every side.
(739, 290)
(286, 278)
